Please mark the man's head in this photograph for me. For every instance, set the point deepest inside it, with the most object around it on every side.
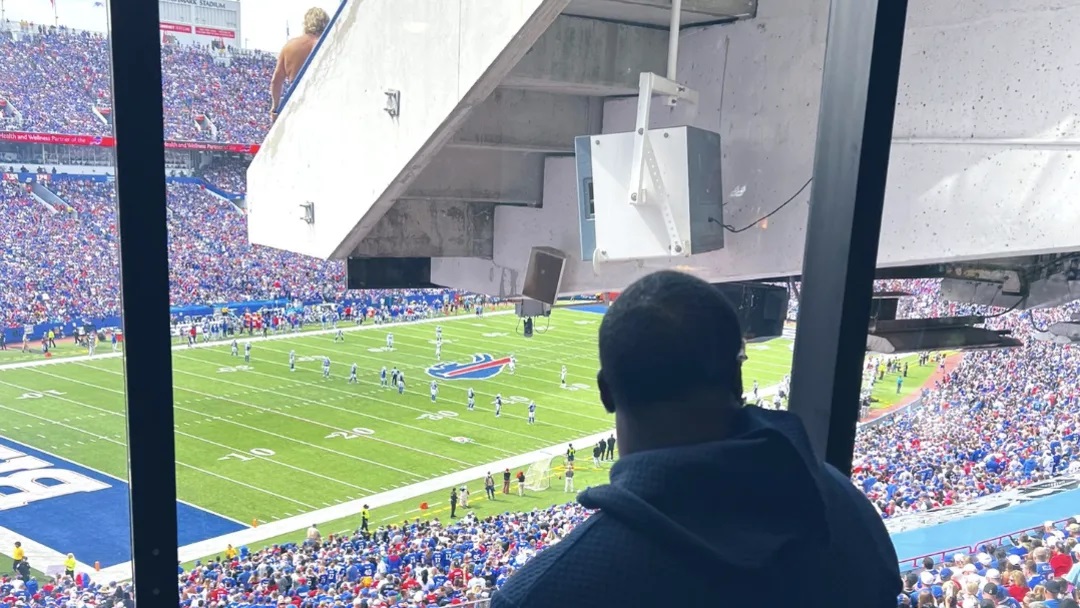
(315, 21)
(669, 350)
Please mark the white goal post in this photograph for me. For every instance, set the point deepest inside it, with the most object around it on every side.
(538, 475)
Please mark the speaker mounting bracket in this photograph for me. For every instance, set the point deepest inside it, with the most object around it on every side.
(646, 179)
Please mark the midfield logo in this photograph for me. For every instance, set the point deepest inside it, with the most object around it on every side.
(482, 367)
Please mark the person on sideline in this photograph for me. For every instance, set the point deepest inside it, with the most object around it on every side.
(17, 556)
(703, 479)
(69, 565)
(294, 54)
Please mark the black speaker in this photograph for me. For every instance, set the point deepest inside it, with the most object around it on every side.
(544, 274)
(389, 273)
(883, 308)
(528, 328)
(762, 308)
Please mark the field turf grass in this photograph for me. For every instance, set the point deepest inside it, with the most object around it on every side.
(245, 432)
(885, 393)
(258, 442)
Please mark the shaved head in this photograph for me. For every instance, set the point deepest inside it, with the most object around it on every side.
(669, 336)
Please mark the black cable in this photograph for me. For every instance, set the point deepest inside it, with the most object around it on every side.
(734, 230)
(1007, 310)
(1031, 320)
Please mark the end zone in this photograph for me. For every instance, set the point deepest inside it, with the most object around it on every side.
(55, 507)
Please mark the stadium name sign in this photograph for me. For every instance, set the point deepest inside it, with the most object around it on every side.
(33, 479)
(206, 3)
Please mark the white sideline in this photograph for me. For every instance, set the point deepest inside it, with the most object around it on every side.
(40, 554)
(250, 536)
(264, 532)
(345, 326)
(41, 557)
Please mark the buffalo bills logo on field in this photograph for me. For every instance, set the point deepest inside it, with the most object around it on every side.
(481, 367)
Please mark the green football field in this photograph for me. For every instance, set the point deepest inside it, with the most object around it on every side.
(255, 441)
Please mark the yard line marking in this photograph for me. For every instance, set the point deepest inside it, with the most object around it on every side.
(424, 366)
(277, 462)
(264, 431)
(322, 404)
(183, 464)
(404, 406)
(251, 536)
(486, 345)
(230, 448)
(337, 429)
(509, 415)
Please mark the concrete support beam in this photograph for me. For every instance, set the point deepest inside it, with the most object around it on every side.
(444, 59)
(530, 122)
(482, 175)
(425, 228)
(588, 57)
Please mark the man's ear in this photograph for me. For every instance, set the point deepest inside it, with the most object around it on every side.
(605, 393)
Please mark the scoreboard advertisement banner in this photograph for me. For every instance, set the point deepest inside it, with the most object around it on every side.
(215, 23)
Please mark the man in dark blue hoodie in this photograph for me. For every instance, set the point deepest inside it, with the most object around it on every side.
(711, 503)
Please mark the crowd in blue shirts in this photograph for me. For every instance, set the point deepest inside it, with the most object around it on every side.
(415, 564)
(62, 266)
(55, 76)
(1001, 419)
(412, 565)
(1038, 569)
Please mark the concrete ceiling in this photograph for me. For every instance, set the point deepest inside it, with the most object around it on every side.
(658, 12)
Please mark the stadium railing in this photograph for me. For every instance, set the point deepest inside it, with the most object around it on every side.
(916, 562)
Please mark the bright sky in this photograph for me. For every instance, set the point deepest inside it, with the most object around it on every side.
(262, 22)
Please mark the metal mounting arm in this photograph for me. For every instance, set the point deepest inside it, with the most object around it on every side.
(644, 160)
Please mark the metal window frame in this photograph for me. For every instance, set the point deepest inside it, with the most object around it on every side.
(144, 287)
(862, 61)
(851, 160)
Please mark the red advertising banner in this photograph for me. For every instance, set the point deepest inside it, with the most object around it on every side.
(174, 27)
(108, 141)
(206, 146)
(58, 139)
(215, 32)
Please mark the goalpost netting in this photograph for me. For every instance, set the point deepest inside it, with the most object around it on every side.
(538, 475)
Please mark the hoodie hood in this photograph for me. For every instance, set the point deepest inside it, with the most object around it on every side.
(742, 503)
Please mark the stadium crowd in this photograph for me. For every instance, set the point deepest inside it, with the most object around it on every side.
(53, 78)
(1036, 569)
(62, 265)
(228, 174)
(415, 564)
(428, 564)
(997, 420)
